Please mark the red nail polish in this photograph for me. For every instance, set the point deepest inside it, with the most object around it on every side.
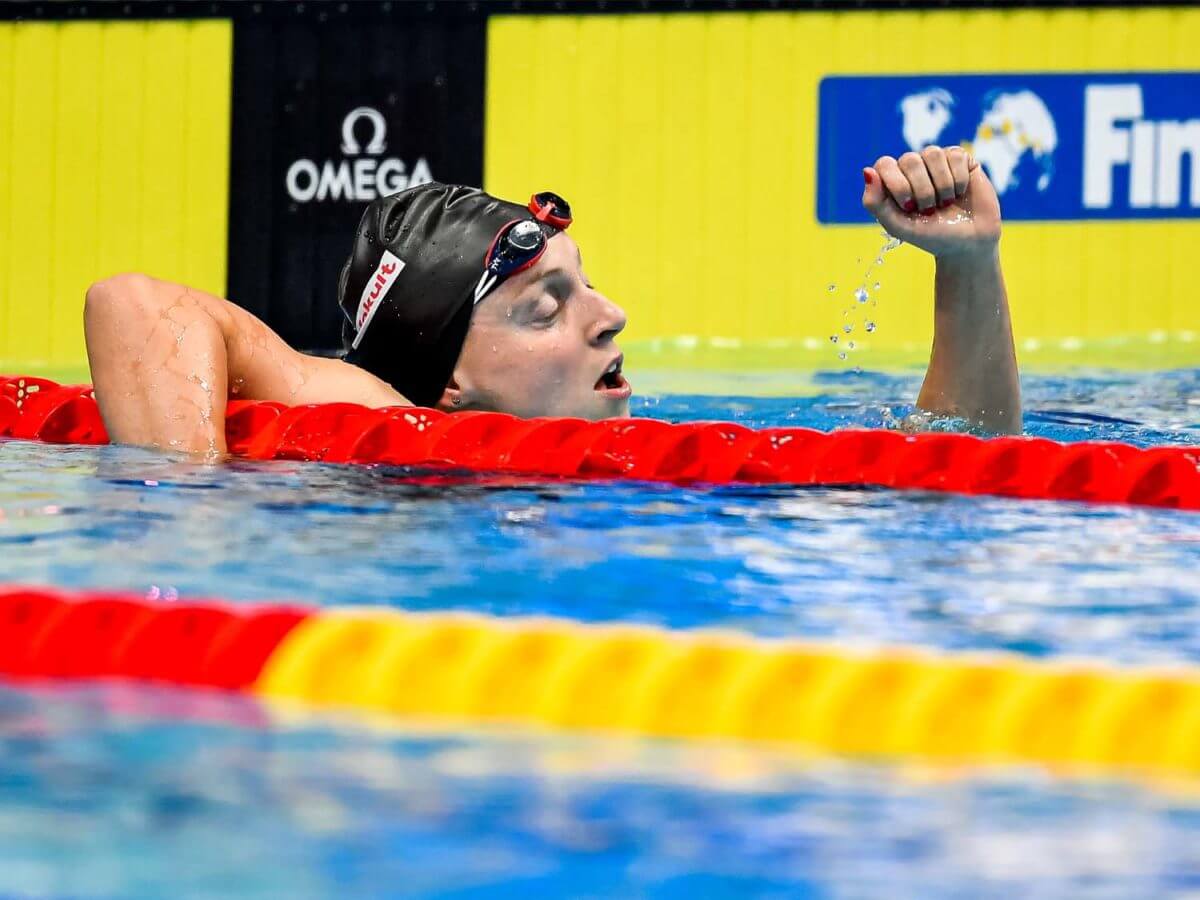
(910, 206)
(929, 212)
(946, 203)
(867, 176)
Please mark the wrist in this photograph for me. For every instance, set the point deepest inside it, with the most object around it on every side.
(971, 256)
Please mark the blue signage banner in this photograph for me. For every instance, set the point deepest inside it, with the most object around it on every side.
(1057, 147)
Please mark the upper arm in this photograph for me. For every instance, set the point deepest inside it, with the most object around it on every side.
(261, 366)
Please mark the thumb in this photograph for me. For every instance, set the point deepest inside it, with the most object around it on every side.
(879, 204)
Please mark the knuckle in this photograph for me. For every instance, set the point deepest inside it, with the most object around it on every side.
(933, 152)
(885, 161)
(910, 159)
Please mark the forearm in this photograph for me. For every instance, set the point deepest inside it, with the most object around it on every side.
(973, 368)
(165, 358)
(160, 365)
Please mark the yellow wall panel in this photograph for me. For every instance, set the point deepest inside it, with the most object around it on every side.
(7, 67)
(114, 155)
(687, 145)
(28, 297)
(76, 205)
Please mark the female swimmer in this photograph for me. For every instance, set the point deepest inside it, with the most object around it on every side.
(455, 299)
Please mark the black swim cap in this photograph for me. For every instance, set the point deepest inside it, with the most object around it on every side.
(407, 289)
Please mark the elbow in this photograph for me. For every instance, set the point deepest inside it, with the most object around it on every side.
(123, 290)
(116, 302)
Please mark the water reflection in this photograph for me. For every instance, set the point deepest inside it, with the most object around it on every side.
(126, 792)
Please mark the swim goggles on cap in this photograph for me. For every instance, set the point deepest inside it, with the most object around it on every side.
(521, 242)
(552, 209)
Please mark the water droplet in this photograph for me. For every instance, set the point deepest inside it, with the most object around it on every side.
(833, 337)
(508, 313)
(493, 348)
(876, 286)
(851, 345)
(879, 260)
(847, 328)
(870, 327)
(861, 295)
(842, 355)
(832, 287)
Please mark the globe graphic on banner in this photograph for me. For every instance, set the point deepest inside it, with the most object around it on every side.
(1014, 134)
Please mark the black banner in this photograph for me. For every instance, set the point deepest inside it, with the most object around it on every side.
(327, 116)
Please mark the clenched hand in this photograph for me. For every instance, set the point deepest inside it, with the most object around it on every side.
(939, 200)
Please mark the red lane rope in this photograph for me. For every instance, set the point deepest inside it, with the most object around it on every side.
(648, 449)
(46, 633)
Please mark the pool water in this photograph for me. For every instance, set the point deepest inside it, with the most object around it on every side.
(123, 791)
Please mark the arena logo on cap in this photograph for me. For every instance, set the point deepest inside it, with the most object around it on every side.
(380, 282)
(1056, 147)
(355, 177)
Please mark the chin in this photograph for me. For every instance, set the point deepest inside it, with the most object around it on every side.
(613, 409)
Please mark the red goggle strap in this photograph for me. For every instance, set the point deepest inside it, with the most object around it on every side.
(544, 212)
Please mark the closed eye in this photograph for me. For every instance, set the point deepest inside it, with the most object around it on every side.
(559, 286)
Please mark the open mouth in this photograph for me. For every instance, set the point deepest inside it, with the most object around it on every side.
(613, 382)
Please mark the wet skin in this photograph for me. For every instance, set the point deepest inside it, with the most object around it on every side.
(165, 358)
(544, 344)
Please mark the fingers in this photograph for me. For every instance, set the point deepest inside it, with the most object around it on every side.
(927, 180)
(878, 202)
(938, 168)
(919, 179)
(960, 168)
(895, 183)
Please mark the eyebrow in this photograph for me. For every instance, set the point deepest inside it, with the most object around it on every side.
(552, 273)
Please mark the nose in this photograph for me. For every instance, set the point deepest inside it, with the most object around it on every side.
(609, 322)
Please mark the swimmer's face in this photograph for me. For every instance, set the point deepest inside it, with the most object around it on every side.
(544, 344)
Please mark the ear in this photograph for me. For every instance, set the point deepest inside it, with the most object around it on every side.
(452, 398)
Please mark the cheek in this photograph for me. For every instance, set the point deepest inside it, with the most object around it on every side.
(540, 359)
(509, 363)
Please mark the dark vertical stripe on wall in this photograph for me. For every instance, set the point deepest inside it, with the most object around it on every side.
(294, 83)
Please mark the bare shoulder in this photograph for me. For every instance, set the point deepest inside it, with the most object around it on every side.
(336, 381)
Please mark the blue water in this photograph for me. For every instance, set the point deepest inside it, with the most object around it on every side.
(134, 793)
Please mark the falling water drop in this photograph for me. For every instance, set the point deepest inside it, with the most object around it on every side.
(870, 327)
(861, 295)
